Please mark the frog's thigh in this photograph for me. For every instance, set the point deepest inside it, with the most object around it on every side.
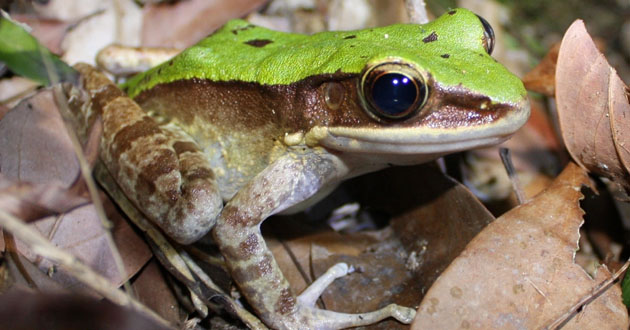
(161, 169)
(286, 182)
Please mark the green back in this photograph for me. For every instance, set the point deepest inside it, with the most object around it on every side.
(450, 49)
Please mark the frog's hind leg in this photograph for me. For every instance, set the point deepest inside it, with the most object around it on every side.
(286, 182)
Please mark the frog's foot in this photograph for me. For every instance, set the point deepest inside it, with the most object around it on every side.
(324, 319)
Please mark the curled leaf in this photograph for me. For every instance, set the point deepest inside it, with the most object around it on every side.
(593, 108)
(519, 272)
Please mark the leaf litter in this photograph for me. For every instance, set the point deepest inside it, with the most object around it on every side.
(417, 247)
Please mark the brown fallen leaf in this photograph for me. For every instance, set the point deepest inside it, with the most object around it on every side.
(593, 108)
(80, 233)
(432, 219)
(34, 146)
(519, 272)
(541, 79)
(49, 32)
(29, 201)
(26, 310)
(189, 21)
(153, 290)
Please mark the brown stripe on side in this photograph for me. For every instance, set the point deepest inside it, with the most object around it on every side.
(457, 107)
(247, 107)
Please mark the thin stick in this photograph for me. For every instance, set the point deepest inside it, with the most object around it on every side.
(417, 11)
(594, 294)
(41, 246)
(506, 157)
(86, 172)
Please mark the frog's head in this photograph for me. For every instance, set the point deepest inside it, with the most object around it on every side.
(423, 89)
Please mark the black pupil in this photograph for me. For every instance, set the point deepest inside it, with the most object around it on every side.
(394, 93)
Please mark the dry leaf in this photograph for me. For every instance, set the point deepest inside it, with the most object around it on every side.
(541, 79)
(152, 290)
(25, 310)
(593, 107)
(519, 272)
(34, 201)
(433, 218)
(34, 146)
(48, 32)
(189, 21)
(80, 233)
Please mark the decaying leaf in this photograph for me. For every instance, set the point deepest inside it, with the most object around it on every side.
(432, 219)
(34, 201)
(27, 310)
(189, 21)
(542, 78)
(593, 107)
(519, 272)
(34, 146)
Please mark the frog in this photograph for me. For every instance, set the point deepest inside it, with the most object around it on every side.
(252, 122)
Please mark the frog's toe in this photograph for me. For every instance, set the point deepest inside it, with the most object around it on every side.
(323, 319)
(310, 294)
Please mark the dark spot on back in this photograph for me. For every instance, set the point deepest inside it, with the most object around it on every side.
(431, 37)
(445, 56)
(170, 63)
(243, 28)
(259, 43)
(350, 37)
(452, 12)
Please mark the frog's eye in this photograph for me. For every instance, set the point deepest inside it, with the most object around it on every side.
(393, 90)
(488, 35)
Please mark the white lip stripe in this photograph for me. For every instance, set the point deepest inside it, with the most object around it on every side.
(422, 140)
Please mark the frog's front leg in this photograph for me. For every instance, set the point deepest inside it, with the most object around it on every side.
(286, 182)
(159, 167)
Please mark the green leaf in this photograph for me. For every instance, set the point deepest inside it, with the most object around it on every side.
(625, 289)
(25, 56)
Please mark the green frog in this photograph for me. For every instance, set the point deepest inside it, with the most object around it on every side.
(252, 122)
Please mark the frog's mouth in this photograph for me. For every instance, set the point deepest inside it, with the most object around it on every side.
(422, 140)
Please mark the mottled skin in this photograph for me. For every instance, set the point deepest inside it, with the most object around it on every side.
(233, 131)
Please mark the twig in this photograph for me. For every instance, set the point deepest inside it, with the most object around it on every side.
(506, 157)
(417, 11)
(41, 246)
(594, 294)
(180, 265)
(86, 172)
